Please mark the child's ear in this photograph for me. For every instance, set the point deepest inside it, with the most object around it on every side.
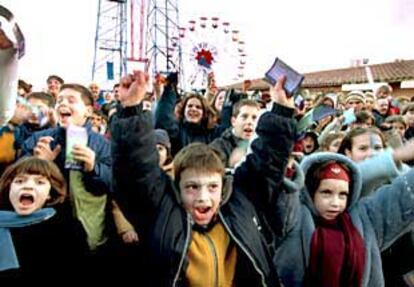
(348, 153)
(233, 119)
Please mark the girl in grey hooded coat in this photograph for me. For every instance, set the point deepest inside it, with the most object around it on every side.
(379, 220)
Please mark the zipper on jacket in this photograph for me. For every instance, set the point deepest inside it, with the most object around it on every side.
(213, 251)
(243, 249)
(184, 254)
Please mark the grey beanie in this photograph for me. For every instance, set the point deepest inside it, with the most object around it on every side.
(161, 137)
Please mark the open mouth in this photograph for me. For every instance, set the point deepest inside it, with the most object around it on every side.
(64, 111)
(26, 199)
(202, 215)
(248, 130)
(193, 115)
(64, 115)
(203, 210)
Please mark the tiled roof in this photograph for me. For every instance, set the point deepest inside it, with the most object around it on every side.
(387, 72)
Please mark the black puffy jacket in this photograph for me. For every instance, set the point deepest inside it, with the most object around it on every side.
(150, 200)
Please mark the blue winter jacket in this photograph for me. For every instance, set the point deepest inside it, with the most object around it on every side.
(379, 170)
(99, 181)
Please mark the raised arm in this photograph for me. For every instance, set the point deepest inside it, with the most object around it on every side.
(391, 209)
(138, 181)
(384, 167)
(261, 176)
(334, 126)
(164, 114)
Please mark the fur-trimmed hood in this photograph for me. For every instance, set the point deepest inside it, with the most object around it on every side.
(298, 180)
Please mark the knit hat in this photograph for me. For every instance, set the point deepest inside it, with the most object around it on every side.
(355, 95)
(334, 171)
(369, 95)
(162, 138)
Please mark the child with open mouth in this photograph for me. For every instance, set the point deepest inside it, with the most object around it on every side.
(26, 188)
(31, 184)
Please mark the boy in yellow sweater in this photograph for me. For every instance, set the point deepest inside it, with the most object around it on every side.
(202, 228)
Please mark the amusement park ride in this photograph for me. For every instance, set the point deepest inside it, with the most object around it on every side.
(147, 34)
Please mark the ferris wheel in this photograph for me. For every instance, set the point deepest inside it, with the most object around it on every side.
(210, 46)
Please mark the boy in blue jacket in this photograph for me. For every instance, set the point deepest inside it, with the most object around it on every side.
(88, 204)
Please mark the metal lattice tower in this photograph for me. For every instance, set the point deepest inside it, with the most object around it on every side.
(110, 58)
(163, 48)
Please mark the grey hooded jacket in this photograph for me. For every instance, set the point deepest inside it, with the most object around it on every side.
(381, 219)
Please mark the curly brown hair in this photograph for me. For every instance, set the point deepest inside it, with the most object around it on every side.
(209, 117)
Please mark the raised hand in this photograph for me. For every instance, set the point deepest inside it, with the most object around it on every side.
(42, 149)
(52, 117)
(21, 114)
(86, 155)
(405, 152)
(133, 88)
(279, 95)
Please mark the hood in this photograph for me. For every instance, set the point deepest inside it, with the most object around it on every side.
(322, 157)
(227, 189)
(297, 182)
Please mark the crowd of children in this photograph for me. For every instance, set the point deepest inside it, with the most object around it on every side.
(222, 189)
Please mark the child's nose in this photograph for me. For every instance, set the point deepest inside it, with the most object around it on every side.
(29, 184)
(335, 201)
(203, 194)
(63, 101)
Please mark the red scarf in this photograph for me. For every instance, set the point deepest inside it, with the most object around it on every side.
(337, 255)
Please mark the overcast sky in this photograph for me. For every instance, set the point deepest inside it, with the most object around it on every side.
(308, 35)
